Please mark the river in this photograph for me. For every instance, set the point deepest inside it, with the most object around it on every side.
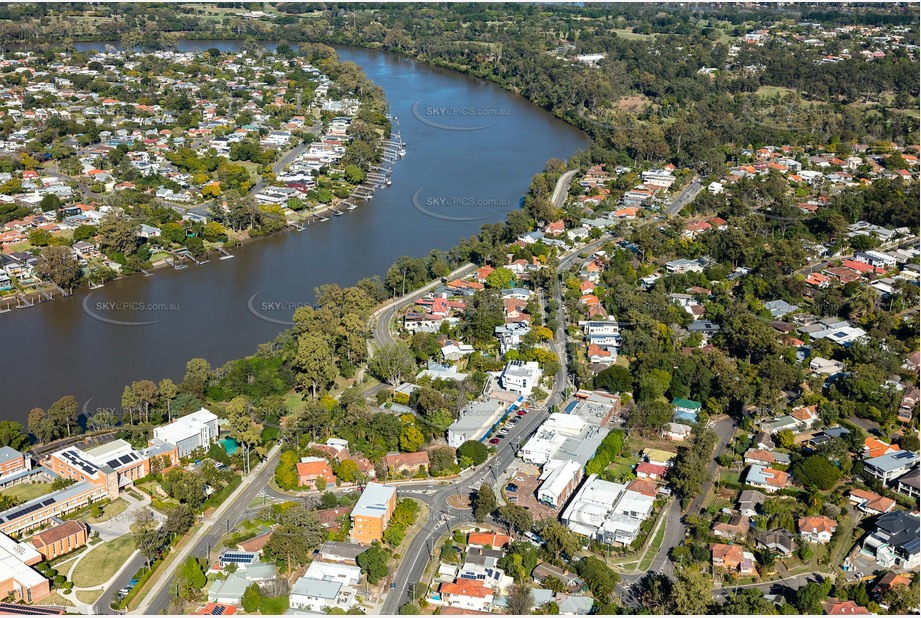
(471, 151)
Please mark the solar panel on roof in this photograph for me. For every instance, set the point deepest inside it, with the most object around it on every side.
(217, 610)
(126, 459)
(113, 463)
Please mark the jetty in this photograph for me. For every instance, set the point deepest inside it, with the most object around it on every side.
(225, 254)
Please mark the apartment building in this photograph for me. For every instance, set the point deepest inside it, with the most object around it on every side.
(372, 512)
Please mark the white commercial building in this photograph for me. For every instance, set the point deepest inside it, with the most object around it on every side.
(563, 436)
(607, 512)
(560, 479)
(189, 432)
(475, 421)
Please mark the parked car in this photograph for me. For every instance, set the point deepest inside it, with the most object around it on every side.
(520, 413)
(495, 441)
(511, 487)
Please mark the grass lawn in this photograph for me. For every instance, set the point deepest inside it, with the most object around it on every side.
(27, 491)
(109, 511)
(102, 562)
(629, 34)
(622, 466)
(89, 596)
(57, 599)
(653, 550)
(770, 91)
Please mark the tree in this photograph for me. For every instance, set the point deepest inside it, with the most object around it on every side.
(473, 450)
(517, 517)
(809, 597)
(314, 362)
(197, 374)
(179, 520)
(785, 439)
(391, 362)
(59, 265)
(186, 487)
(50, 202)
(817, 472)
(520, 600)
(441, 460)
(63, 412)
(252, 598)
(692, 591)
(411, 439)
(145, 394)
(484, 502)
(191, 579)
(168, 392)
(614, 379)
(599, 577)
(559, 539)
(12, 435)
(373, 563)
(348, 471)
(147, 537)
(500, 278)
(286, 470)
(40, 426)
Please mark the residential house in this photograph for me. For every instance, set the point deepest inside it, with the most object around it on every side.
(318, 595)
(471, 594)
(895, 541)
(779, 541)
(910, 484)
(495, 540)
(834, 607)
(309, 469)
(733, 558)
(891, 466)
(750, 502)
(870, 502)
(520, 377)
(686, 409)
(766, 479)
(817, 529)
(737, 527)
(677, 431)
(399, 463)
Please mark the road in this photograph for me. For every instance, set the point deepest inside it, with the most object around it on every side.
(382, 318)
(443, 516)
(685, 197)
(225, 518)
(562, 188)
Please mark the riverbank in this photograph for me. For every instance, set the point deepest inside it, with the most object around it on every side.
(254, 295)
(309, 169)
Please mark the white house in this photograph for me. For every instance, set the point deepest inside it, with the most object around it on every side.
(345, 574)
(315, 595)
(520, 377)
